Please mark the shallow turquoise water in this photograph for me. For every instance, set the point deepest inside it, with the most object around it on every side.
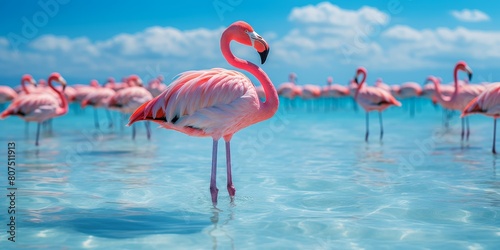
(304, 180)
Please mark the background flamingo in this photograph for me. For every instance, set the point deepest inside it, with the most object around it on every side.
(99, 98)
(288, 90)
(461, 96)
(372, 98)
(410, 90)
(216, 102)
(127, 100)
(39, 107)
(487, 103)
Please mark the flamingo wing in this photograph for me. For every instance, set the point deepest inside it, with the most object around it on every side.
(206, 100)
(36, 107)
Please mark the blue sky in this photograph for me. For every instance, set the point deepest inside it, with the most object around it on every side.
(398, 40)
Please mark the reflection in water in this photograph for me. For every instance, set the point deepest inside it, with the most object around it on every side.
(218, 231)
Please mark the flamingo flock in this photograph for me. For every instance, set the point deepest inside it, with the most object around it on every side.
(219, 102)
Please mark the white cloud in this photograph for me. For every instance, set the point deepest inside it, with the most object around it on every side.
(327, 13)
(467, 15)
(170, 49)
(326, 34)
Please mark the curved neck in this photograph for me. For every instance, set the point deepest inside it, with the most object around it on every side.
(23, 86)
(440, 97)
(64, 103)
(270, 106)
(361, 84)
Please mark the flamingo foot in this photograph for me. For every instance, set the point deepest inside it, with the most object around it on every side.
(214, 191)
(231, 190)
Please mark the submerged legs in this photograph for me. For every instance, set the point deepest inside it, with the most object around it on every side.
(230, 187)
(213, 176)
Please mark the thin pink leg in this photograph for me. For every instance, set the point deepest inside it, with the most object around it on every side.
(37, 134)
(213, 176)
(230, 187)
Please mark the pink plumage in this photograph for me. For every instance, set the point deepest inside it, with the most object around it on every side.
(372, 98)
(216, 102)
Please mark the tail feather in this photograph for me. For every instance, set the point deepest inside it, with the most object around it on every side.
(138, 114)
(472, 108)
(145, 112)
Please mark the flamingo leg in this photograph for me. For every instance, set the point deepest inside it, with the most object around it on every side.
(96, 119)
(213, 175)
(468, 128)
(230, 187)
(133, 131)
(463, 131)
(26, 127)
(494, 135)
(412, 108)
(367, 124)
(381, 125)
(148, 129)
(37, 134)
(110, 119)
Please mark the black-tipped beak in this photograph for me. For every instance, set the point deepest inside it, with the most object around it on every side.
(64, 87)
(356, 80)
(263, 55)
(470, 76)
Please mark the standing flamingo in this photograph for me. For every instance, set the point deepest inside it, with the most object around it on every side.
(372, 98)
(487, 103)
(410, 90)
(461, 96)
(216, 102)
(288, 90)
(333, 91)
(39, 107)
(127, 100)
(99, 98)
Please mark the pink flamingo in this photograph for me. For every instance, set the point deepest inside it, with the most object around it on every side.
(83, 90)
(127, 100)
(461, 96)
(216, 102)
(99, 99)
(288, 90)
(156, 86)
(380, 84)
(39, 107)
(23, 89)
(410, 90)
(7, 94)
(333, 91)
(373, 98)
(487, 103)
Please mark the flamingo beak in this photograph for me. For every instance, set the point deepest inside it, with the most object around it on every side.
(356, 80)
(62, 81)
(263, 55)
(469, 74)
(260, 45)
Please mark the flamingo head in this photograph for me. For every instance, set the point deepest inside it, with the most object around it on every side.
(292, 77)
(360, 71)
(94, 83)
(160, 78)
(134, 79)
(41, 82)
(329, 80)
(58, 78)
(461, 65)
(28, 78)
(243, 33)
(432, 79)
(111, 80)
